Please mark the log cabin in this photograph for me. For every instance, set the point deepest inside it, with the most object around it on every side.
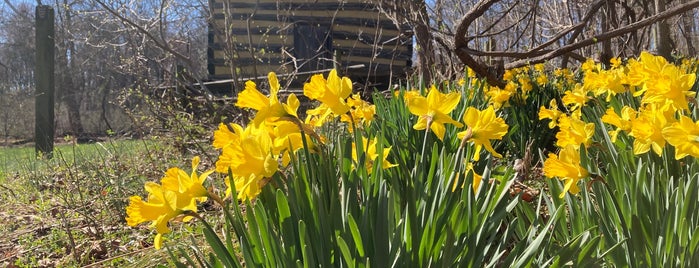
(296, 38)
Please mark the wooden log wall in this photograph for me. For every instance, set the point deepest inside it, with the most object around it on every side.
(251, 38)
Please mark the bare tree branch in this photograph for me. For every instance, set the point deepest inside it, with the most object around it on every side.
(14, 9)
(546, 50)
(608, 35)
(461, 43)
(157, 42)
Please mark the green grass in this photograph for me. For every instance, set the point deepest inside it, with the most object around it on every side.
(24, 158)
(68, 211)
(15, 159)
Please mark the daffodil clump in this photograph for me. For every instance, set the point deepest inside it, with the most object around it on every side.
(417, 179)
(521, 82)
(657, 115)
(177, 195)
(434, 113)
(252, 154)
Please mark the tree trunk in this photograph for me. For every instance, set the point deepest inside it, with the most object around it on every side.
(607, 24)
(688, 22)
(425, 49)
(74, 119)
(71, 92)
(663, 40)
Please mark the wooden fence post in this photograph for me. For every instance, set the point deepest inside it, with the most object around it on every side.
(44, 103)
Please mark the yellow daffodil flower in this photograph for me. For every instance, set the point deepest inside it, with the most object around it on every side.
(316, 117)
(361, 113)
(670, 84)
(332, 92)
(647, 127)
(434, 110)
(574, 132)
(509, 75)
(684, 136)
(526, 86)
(552, 113)
(251, 161)
(159, 209)
(615, 62)
(660, 82)
(470, 72)
(589, 65)
(189, 187)
(605, 82)
(498, 97)
(371, 154)
(566, 166)
(539, 67)
(288, 139)
(268, 108)
(224, 137)
(483, 126)
(575, 98)
(622, 123)
(178, 194)
(461, 82)
(636, 75)
(476, 178)
(410, 94)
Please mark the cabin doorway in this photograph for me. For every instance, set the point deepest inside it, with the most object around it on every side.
(313, 47)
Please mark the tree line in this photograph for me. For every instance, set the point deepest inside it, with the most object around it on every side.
(117, 60)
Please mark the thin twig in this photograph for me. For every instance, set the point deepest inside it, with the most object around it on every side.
(157, 42)
(539, 53)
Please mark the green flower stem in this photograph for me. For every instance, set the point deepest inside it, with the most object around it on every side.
(215, 197)
(424, 141)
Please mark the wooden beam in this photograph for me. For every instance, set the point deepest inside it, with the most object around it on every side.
(44, 126)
